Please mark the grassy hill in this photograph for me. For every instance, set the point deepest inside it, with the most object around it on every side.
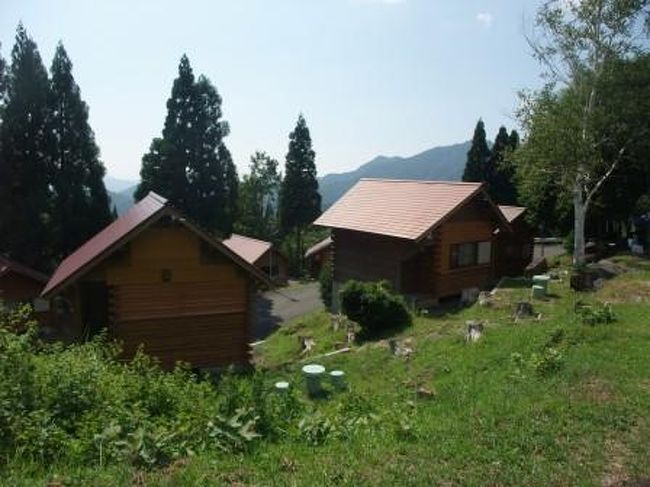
(548, 400)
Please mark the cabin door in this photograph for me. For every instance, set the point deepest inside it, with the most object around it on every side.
(94, 307)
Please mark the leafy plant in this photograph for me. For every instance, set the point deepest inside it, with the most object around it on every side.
(597, 314)
(374, 306)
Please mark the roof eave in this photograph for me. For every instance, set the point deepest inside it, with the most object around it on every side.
(46, 293)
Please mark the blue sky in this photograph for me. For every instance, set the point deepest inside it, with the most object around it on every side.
(391, 77)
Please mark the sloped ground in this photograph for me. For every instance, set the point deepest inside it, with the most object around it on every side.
(546, 400)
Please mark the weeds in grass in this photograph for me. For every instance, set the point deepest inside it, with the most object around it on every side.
(601, 313)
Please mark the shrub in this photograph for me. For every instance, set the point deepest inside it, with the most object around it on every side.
(374, 306)
(325, 281)
(548, 362)
(594, 315)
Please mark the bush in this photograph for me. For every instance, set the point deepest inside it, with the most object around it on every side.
(374, 306)
(325, 281)
(594, 315)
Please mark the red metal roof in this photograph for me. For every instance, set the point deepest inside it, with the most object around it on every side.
(7, 265)
(249, 249)
(314, 249)
(512, 212)
(139, 213)
(397, 208)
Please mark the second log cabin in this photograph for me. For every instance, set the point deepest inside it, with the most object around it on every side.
(428, 239)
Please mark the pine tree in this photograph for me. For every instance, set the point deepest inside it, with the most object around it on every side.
(513, 140)
(80, 200)
(190, 165)
(476, 168)
(501, 186)
(24, 167)
(164, 166)
(299, 197)
(3, 82)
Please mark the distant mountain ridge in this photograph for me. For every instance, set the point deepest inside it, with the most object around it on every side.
(443, 163)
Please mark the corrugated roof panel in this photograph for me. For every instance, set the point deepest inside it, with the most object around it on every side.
(511, 212)
(397, 208)
(249, 249)
(113, 233)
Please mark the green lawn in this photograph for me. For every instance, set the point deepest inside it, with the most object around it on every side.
(548, 401)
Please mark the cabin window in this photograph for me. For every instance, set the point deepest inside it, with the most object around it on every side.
(484, 254)
(469, 254)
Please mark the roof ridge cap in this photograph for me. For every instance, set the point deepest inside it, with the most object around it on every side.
(249, 238)
(423, 181)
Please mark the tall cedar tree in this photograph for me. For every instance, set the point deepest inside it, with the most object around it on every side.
(478, 157)
(299, 197)
(258, 199)
(80, 201)
(502, 186)
(25, 222)
(190, 165)
(3, 79)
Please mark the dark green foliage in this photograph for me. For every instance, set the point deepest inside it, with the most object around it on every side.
(190, 165)
(3, 81)
(325, 280)
(478, 157)
(25, 168)
(80, 201)
(81, 404)
(501, 186)
(258, 198)
(299, 197)
(374, 306)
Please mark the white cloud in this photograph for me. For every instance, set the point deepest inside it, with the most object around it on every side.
(485, 19)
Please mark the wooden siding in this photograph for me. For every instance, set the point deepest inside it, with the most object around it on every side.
(514, 250)
(474, 223)
(176, 302)
(203, 341)
(16, 287)
(369, 257)
(273, 257)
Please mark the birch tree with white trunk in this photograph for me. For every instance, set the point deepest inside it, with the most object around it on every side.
(575, 41)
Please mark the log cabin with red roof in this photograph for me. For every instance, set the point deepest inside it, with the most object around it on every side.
(262, 255)
(428, 239)
(154, 279)
(22, 284)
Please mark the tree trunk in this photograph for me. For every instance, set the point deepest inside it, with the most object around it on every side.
(579, 214)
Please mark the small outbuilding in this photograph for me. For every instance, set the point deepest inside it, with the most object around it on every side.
(262, 255)
(514, 250)
(22, 284)
(154, 279)
(428, 239)
(318, 255)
